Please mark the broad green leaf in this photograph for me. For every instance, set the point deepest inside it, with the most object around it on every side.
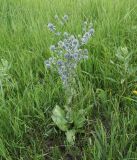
(70, 134)
(79, 118)
(58, 117)
(69, 114)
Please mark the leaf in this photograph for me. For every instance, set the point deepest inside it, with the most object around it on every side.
(69, 114)
(122, 54)
(58, 117)
(79, 118)
(70, 135)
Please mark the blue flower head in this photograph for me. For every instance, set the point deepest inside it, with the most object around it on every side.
(52, 48)
(51, 27)
(65, 17)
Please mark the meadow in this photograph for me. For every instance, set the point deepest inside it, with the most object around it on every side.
(107, 87)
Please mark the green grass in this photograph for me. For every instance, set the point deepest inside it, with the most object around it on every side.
(29, 93)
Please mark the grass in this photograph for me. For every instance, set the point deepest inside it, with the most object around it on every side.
(29, 93)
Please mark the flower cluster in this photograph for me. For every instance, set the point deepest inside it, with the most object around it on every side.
(68, 52)
(62, 21)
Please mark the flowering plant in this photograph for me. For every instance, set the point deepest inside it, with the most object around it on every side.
(67, 54)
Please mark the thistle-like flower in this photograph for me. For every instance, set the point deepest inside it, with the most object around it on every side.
(52, 48)
(65, 18)
(47, 64)
(51, 27)
(87, 36)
